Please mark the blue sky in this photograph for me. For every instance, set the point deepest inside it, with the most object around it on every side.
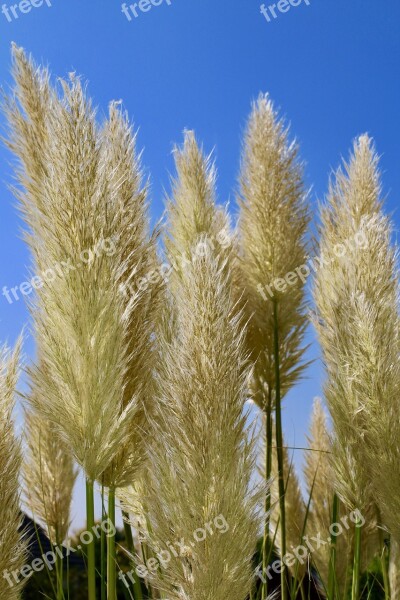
(332, 66)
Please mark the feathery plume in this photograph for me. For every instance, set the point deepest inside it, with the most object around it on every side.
(356, 316)
(27, 110)
(87, 217)
(273, 222)
(356, 319)
(141, 284)
(49, 476)
(202, 460)
(12, 544)
(132, 499)
(194, 218)
(270, 275)
(81, 317)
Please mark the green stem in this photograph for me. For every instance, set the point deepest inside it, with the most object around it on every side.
(59, 574)
(266, 549)
(103, 556)
(279, 451)
(137, 588)
(355, 593)
(332, 557)
(348, 581)
(111, 555)
(91, 549)
(59, 566)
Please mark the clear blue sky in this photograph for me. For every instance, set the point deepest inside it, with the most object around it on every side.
(333, 67)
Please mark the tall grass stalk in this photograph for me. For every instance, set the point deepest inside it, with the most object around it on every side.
(91, 548)
(267, 545)
(60, 577)
(279, 450)
(111, 553)
(355, 593)
(202, 464)
(136, 259)
(273, 222)
(103, 549)
(73, 206)
(334, 561)
(49, 477)
(81, 197)
(332, 555)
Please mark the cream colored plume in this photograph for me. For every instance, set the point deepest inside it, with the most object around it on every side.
(273, 221)
(49, 476)
(140, 283)
(356, 319)
(12, 542)
(197, 223)
(202, 461)
(73, 210)
(133, 501)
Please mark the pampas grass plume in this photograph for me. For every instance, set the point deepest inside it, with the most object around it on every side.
(49, 476)
(202, 460)
(273, 221)
(12, 543)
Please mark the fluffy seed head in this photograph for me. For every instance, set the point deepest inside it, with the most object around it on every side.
(49, 476)
(356, 318)
(272, 226)
(82, 247)
(202, 459)
(12, 543)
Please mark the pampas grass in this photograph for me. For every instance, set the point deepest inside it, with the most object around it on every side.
(202, 460)
(137, 260)
(273, 222)
(84, 208)
(356, 299)
(49, 477)
(72, 389)
(143, 375)
(12, 543)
